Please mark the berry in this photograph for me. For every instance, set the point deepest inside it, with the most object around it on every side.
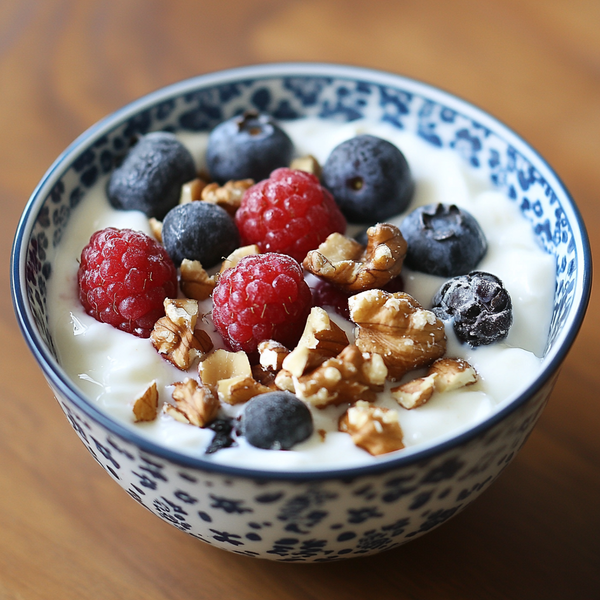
(443, 240)
(263, 297)
(124, 277)
(369, 179)
(151, 176)
(326, 294)
(276, 421)
(247, 147)
(290, 213)
(478, 305)
(222, 438)
(199, 231)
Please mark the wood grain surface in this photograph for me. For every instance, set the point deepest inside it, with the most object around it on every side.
(73, 533)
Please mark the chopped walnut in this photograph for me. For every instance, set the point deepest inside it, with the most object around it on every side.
(272, 355)
(352, 375)
(228, 196)
(321, 339)
(374, 429)
(416, 392)
(397, 327)
(195, 282)
(174, 336)
(452, 373)
(307, 163)
(265, 377)
(284, 381)
(352, 267)
(156, 228)
(195, 404)
(222, 364)
(145, 406)
(192, 190)
(236, 390)
(234, 258)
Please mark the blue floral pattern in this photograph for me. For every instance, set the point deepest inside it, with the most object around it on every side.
(308, 520)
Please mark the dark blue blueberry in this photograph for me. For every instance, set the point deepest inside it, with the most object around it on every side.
(199, 231)
(276, 421)
(151, 175)
(222, 437)
(250, 146)
(369, 179)
(443, 240)
(478, 305)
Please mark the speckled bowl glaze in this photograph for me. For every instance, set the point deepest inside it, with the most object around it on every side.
(307, 516)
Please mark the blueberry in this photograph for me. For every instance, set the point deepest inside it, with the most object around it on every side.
(199, 231)
(222, 439)
(369, 179)
(443, 240)
(151, 175)
(276, 421)
(478, 305)
(247, 147)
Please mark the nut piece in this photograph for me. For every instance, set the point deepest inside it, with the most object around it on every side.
(272, 354)
(321, 339)
(222, 364)
(195, 282)
(145, 407)
(372, 428)
(236, 390)
(284, 381)
(156, 228)
(265, 376)
(234, 258)
(352, 375)
(194, 403)
(397, 327)
(192, 190)
(452, 373)
(307, 163)
(174, 337)
(416, 392)
(228, 196)
(353, 268)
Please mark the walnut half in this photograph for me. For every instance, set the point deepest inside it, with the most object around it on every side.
(399, 328)
(350, 266)
(194, 403)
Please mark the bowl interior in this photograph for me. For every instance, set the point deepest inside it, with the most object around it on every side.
(290, 92)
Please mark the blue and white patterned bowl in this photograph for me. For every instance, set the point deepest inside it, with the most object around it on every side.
(307, 516)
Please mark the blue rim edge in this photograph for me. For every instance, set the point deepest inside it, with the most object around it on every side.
(58, 378)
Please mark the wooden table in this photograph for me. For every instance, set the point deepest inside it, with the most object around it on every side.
(73, 534)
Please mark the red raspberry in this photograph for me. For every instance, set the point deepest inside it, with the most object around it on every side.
(124, 277)
(263, 297)
(289, 213)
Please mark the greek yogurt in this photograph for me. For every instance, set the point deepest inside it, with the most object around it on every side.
(112, 368)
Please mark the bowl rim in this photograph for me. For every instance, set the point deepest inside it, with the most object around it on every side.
(61, 384)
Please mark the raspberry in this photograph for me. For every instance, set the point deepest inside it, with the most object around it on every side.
(290, 213)
(124, 277)
(263, 297)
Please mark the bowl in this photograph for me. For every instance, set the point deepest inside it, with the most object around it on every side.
(322, 515)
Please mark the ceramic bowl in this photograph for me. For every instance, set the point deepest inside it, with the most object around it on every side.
(324, 515)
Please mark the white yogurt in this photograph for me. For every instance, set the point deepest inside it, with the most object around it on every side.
(112, 367)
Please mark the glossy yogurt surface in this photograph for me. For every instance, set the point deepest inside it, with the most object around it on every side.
(112, 367)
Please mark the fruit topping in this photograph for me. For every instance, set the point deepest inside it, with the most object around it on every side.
(223, 429)
(199, 231)
(249, 146)
(151, 175)
(124, 276)
(369, 179)
(326, 294)
(443, 240)
(276, 421)
(289, 213)
(478, 305)
(263, 297)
